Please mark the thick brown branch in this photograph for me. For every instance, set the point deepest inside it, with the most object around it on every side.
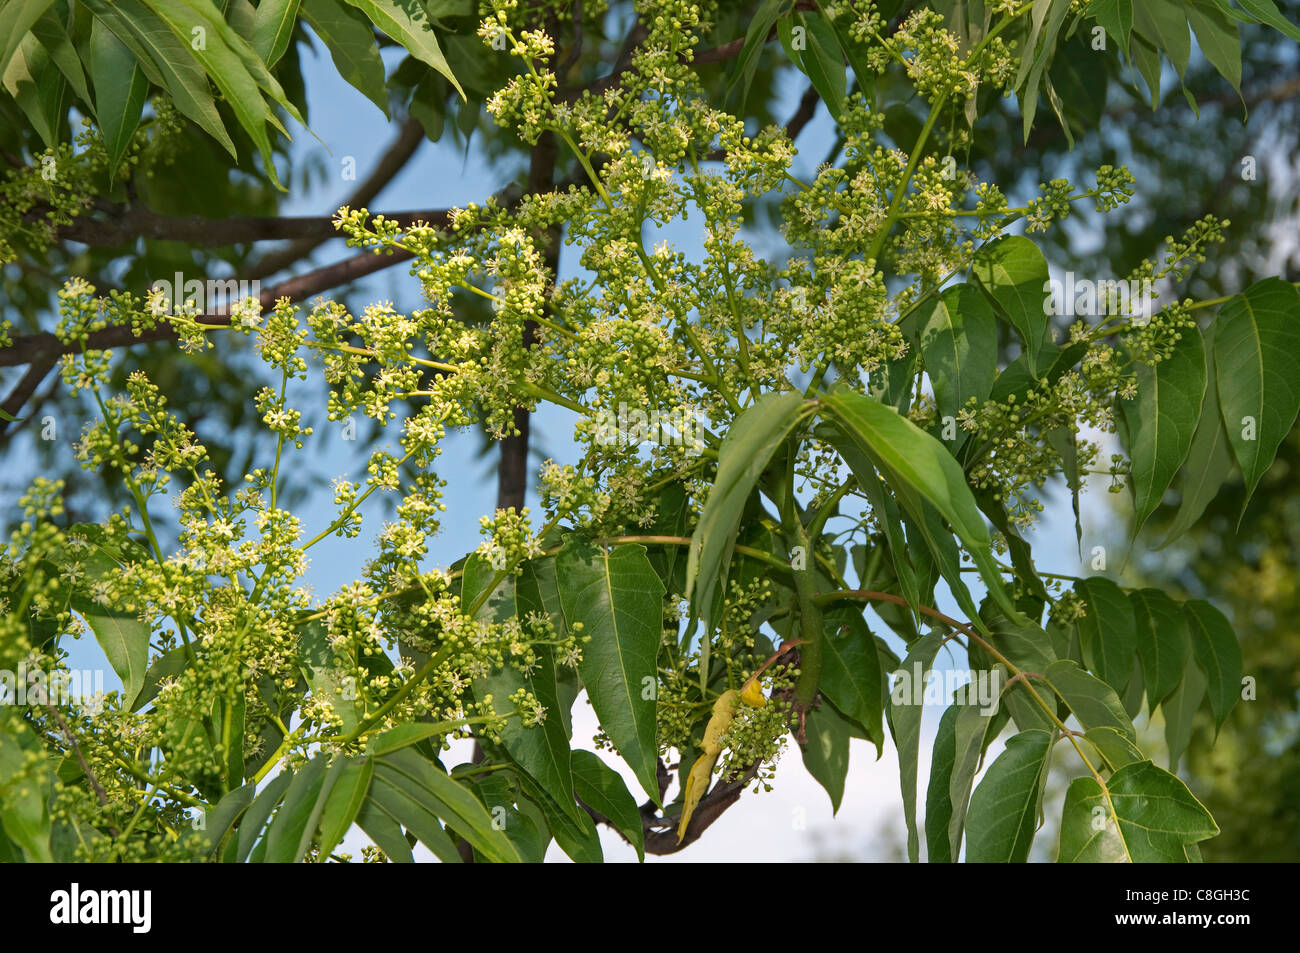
(31, 348)
(22, 393)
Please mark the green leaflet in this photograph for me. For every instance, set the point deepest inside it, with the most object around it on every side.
(120, 91)
(344, 800)
(24, 815)
(1108, 631)
(1013, 273)
(755, 39)
(406, 803)
(448, 800)
(406, 22)
(742, 457)
(1161, 422)
(905, 725)
(1266, 12)
(1091, 700)
(273, 28)
(1209, 459)
(1216, 649)
(600, 788)
(327, 678)
(1218, 38)
(541, 750)
(1257, 373)
(821, 60)
(912, 460)
(851, 675)
(826, 755)
(125, 641)
(1004, 808)
(617, 598)
(1163, 23)
(1162, 642)
(16, 18)
(1142, 815)
(1117, 17)
(958, 338)
(1180, 709)
(351, 42)
(166, 61)
(958, 747)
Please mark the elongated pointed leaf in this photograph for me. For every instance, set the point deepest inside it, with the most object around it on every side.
(1209, 460)
(346, 797)
(351, 41)
(1217, 650)
(125, 641)
(407, 22)
(451, 802)
(1004, 808)
(617, 598)
(826, 755)
(1013, 273)
(541, 750)
(600, 788)
(120, 91)
(1162, 642)
(958, 337)
(1091, 700)
(1161, 422)
(273, 28)
(904, 712)
(742, 457)
(1255, 345)
(1108, 630)
(908, 457)
(851, 675)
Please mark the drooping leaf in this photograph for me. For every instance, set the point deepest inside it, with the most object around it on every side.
(957, 335)
(1266, 12)
(905, 725)
(166, 60)
(826, 755)
(120, 91)
(540, 749)
(290, 827)
(1162, 642)
(1091, 700)
(1108, 630)
(1004, 808)
(1216, 649)
(346, 797)
(600, 788)
(1117, 17)
(851, 677)
(1161, 422)
(350, 40)
(124, 639)
(911, 459)
(1180, 709)
(1013, 273)
(742, 457)
(447, 799)
(760, 27)
(1217, 36)
(1255, 344)
(407, 804)
(273, 28)
(1209, 460)
(616, 597)
(407, 22)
